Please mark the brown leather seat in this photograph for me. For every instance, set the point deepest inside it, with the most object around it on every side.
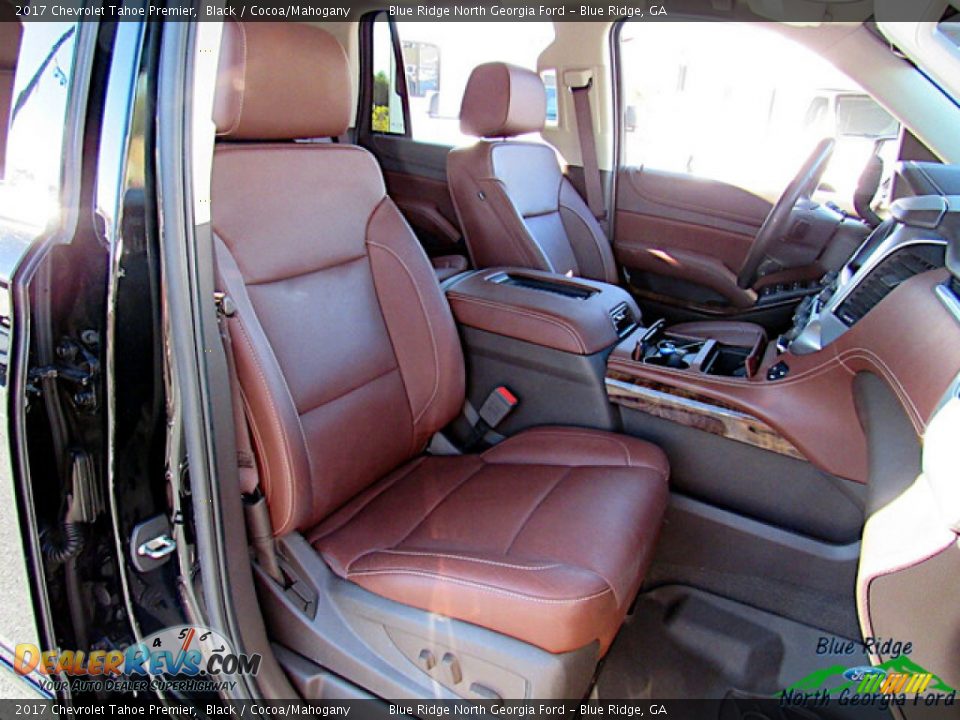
(515, 205)
(349, 361)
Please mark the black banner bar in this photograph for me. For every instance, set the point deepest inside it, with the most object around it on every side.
(801, 11)
(854, 708)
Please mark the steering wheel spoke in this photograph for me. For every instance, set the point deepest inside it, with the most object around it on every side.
(777, 223)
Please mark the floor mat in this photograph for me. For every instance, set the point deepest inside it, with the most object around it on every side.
(685, 643)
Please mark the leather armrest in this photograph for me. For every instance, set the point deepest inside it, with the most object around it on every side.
(486, 300)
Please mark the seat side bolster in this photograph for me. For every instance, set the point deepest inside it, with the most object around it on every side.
(590, 246)
(274, 423)
(419, 322)
(492, 226)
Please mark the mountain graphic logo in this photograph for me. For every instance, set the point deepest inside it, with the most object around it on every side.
(897, 676)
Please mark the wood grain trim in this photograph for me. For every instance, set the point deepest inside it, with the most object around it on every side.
(696, 411)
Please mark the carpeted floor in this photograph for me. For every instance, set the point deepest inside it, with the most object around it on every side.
(685, 643)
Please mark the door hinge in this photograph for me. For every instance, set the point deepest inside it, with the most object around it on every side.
(77, 366)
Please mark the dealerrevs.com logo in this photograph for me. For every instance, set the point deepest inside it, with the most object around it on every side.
(186, 657)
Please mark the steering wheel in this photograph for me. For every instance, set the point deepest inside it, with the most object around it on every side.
(777, 223)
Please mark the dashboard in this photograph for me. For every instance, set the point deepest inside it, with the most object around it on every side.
(912, 241)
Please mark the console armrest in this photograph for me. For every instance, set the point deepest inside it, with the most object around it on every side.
(569, 314)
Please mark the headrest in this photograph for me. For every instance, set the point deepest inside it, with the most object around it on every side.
(502, 100)
(281, 81)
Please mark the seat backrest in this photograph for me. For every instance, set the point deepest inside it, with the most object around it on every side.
(10, 32)
(346, 351)
(515, 205)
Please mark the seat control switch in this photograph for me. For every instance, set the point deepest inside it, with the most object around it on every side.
(778, 371)
(483, 692)
(427, 660)
(450, 667)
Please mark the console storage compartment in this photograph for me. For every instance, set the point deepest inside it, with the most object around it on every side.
(679, 352)
(571, 315)
(546, 338)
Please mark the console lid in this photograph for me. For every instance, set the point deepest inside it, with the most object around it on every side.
(568, 314)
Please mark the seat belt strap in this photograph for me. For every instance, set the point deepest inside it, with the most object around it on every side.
(588, 150)
(256, 513)
(246, 460)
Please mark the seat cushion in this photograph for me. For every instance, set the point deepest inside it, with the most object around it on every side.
(741, 334)
(545, 537)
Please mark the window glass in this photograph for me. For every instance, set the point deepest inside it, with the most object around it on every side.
(387, 104)
(549, 78)
(438, 59)
(951, 29)
(41, 88)
(743, 105)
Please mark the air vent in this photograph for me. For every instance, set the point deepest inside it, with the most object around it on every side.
(894, 269)
(622, 319)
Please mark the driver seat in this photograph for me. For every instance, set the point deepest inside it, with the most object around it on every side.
(515, 205)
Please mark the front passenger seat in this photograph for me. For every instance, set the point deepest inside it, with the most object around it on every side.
(349, 361)
(517, 208)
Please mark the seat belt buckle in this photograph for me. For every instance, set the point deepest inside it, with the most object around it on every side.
(499, 403)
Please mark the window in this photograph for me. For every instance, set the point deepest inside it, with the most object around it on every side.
(743, 105)
(437, 60)
(549, 78)
(950, 28)
(34, 158)
(387, 103)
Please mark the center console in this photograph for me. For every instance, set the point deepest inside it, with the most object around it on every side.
(551, 340)
(659, 347)
(576, 316)
(546, 338)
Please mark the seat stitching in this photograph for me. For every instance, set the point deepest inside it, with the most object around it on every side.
(305, 273)
(553, 433)
(342, 395)
(863, 353)
(426, 319)
(660, 473)
(536, 506)
(451, 556)
(400, 476)
(390, 337)
(480, 587)
(440, 502)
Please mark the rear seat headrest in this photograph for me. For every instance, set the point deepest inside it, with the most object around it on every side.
(502, 100)
(281, 81)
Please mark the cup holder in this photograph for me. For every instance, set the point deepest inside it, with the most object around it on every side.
(672, 354)
(675, 360)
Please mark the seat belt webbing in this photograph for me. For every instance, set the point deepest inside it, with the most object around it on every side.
(256, 513)
(588, 151)
(246, 460)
